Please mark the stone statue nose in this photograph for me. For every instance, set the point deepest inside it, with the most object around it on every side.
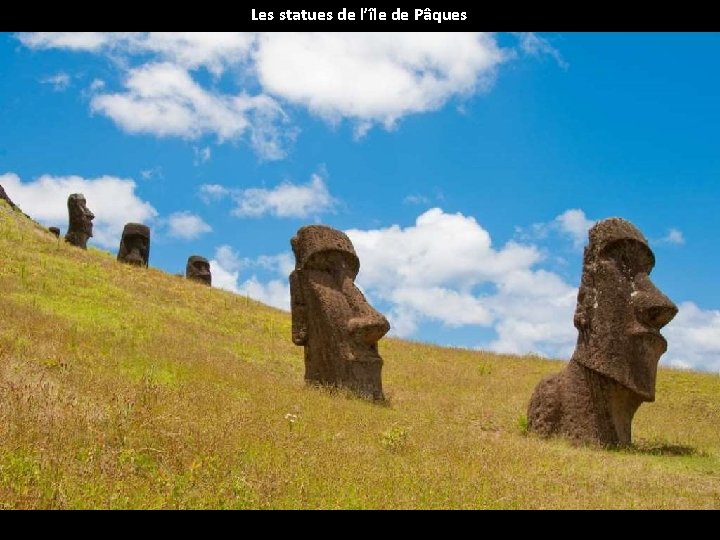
(652, 308)
(367, 324)
(369, 329)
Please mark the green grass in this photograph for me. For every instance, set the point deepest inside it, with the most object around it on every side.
(131, 388)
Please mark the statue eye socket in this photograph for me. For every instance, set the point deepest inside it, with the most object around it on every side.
(631, 257)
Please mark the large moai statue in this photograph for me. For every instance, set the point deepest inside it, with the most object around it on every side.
(619, 316)
(198, 269)
(81, 226)
(135, 245)
(330, 316)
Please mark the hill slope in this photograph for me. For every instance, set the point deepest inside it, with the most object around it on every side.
(131, 388)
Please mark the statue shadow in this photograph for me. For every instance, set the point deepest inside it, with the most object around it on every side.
(651, 448)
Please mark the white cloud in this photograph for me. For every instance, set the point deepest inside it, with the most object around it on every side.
(202, 155)
(60, 81)
(675, 237)
(375, 78)
(534, 45)
(213, 192)
(113, 201)
(572, 224)
(287, 200)
(274, 293)
(79, 41)
(576, 225)
(430, 271)
(227, 266)
(164, 100)
(694, 338)
(367, 78)
(187, 226)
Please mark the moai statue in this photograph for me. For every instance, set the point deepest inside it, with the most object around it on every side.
(81, 226)
(55, 231)
(619, 316)
(4, 196)
(135, 245)
(198, 269)
(330, 316)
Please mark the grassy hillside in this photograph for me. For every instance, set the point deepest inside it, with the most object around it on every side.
(130, 388)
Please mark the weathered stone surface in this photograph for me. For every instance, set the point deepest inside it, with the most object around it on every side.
(619, 316)
(330, 316)
(198, 269)
(55, 231)
(80, 227)
(135, 245)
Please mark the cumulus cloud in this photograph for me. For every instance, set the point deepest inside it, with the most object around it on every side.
(375, 78)
(286, 200)
(113, 201)
(164, 100)
(432, 272)
(369, 79)
(694, 338)
(187, 226)
(227, 266)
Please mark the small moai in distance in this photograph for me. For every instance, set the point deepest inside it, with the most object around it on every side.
(4, 196)
(330, 316)
(80, 226)
(135, 245)
(55, 231)
(198, 269)
(613, 371)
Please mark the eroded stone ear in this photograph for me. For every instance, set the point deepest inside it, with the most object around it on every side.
(583, 311)
(298, 309)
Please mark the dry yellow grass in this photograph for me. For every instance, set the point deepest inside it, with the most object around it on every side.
(130, 388)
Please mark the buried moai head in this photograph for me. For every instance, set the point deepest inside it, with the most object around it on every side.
(619, 316)
(330, 316)
(620, 311)
(198, 269)
(80, 227)
(54, 231)
(135, 245)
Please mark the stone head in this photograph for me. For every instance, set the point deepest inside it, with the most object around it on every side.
(135, 245)
(620, 311)
(80, 227)
(198, 269)
(81, 217)
(330, 316)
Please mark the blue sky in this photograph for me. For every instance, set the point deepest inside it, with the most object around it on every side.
(466, 169)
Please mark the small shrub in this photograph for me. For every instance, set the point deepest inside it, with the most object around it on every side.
(523, 425)
(395, 439)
